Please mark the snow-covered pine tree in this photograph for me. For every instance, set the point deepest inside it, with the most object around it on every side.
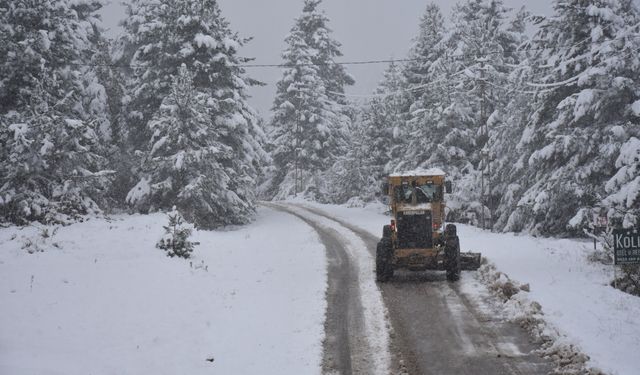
(308, 128)
(49, 109)
(384, 120)
(185, 166)
(508, 126)
(175, 240)
(579, 148)
(52, 173)
(437, 129)
(507, 123)
(94, 97)
(165, 34)
(142, 31)
(53, 34)
(352, 178)
(378, 141)
(111, 77)
(485, 47)
(314, 25)
(426, 49)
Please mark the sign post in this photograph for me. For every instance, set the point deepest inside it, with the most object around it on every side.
(600, 222)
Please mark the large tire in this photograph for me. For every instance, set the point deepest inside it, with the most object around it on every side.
(451, 230)
(384, 269)
(386, 231)
(452, 253)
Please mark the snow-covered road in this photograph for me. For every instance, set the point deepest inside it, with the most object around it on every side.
(439, 327)
(356, 327)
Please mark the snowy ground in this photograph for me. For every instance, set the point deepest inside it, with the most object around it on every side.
(106, 301)
(576, 299)
(101, 299)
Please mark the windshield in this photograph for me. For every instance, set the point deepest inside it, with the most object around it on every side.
(426, 193)
(423, 193)
(404, 193)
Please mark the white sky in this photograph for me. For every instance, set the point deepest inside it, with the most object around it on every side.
(367, 29)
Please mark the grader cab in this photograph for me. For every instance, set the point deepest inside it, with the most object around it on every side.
(417, 238)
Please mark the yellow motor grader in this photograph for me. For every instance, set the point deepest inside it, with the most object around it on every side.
(417, 238)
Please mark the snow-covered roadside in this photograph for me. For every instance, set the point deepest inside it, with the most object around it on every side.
(577, 304)
(108, 302)
(376, 325)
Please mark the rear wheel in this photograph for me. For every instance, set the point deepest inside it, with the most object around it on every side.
(452, 253)
(384, 269)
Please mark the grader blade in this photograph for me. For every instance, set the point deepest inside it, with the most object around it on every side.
(470, 261)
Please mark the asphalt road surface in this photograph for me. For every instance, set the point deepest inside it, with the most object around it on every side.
(436, 328)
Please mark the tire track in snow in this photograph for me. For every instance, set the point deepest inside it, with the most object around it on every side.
(366, 343)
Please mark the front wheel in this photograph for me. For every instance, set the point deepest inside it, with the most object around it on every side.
(452, 253)
(384, 269)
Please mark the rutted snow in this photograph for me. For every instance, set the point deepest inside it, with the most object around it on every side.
(108, 302)
(376, 325)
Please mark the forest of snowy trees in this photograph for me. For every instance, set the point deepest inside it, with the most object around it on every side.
(536, 131)
(535, 119)
(156, 119)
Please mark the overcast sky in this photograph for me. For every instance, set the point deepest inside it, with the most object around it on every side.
(367, 29)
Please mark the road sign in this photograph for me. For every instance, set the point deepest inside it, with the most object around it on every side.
(626, 246)
(601, 221)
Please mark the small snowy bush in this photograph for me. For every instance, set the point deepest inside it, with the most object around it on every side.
(175, 241)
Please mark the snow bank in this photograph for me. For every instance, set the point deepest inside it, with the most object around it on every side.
(574, 293)
(518, 307)
(99, 298)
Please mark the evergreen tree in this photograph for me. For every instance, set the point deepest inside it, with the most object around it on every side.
(143, 29)
(50, 110)
(44, 36)
(186, 163)
(378, 141)
(508, 169)
(576, 149)
(427, 48)
(314, 26)
(53, 167)
(162, 35)
(467, 71)
(437, 126)
(122, 160)
(384, 120)
(504, 169)
(111, 78)
(175, 240)
(353, 179)
(308, 128)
